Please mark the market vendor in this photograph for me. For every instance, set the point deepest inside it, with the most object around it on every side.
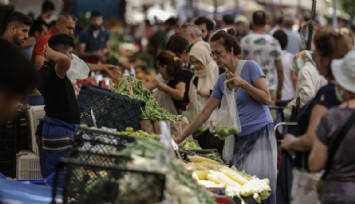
(61, 107)
(170, 68)
(255, 149)
(206, 74)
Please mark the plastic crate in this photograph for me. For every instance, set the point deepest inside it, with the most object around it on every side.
(91, 184)
(28, 166)
(110, 109)
(35, 114)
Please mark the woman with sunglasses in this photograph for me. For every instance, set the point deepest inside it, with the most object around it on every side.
(255, 147)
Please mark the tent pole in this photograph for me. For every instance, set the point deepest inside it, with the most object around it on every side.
(310, 28)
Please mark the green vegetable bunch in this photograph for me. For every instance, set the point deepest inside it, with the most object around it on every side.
(223, 131)
(134, 88)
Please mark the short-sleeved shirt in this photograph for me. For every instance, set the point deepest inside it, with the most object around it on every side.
(343, 168)
(41, 42)
(252, 114)
(325, 97)
(288, 92)
(264, 49)
(184, 76)
(59, 95)
(94, 43)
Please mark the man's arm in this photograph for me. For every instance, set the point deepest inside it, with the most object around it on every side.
(62, 62)
(113, 71)
(83, 54)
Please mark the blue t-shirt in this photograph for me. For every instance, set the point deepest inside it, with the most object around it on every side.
(93, 43)
(252, 114)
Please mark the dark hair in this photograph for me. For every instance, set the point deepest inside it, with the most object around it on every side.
(20, 18)
(47, 6)
(177, 44)
(259, 18)
(227, 39)
(281, 36)
(172, 21)
(37, 27)
(17, 75)
(170, 60)
(95, 14)
(228, 19)
(332, 45)
(204, 20)
(60, 41)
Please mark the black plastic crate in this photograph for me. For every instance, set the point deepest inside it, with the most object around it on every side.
(110, 109)
(95, 184)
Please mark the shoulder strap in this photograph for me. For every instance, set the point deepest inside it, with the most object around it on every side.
(240, 66)
(338, 138)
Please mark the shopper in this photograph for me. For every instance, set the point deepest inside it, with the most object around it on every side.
(206, 26)
(61, 107)
(295, 44)
(47, 10)
(180, 46)
(93, 46)
(178, 79)
(266, 51)
(288, 91)
(38, 29)
(206, 73)
(17, 27)
(255, 147)
(328, 46)
(17, 79)
(339, 180)
(191, 33)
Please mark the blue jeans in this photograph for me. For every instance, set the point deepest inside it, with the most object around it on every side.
(54, 143)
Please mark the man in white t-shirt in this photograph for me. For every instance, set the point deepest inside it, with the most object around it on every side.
(266, 51)
(288, 91)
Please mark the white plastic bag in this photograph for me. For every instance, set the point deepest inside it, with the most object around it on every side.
(228, 149)
(227, 116)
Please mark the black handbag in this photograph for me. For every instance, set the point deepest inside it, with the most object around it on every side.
(332, 150)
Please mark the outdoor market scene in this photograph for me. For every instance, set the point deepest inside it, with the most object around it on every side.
(177, 102)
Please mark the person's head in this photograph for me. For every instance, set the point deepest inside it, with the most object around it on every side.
(288, 22)
(62, 43)
(168, 64)
(66, 24)
(170, 23)
(344, 73)
(47, 10)
(206, 26)
(200, 55)
(224, 47)
(190, 32)
(179, 46)
(228, 20)
(17, 79)
(259, 18)
(96, 20)
(38, 28)
(281, 36)
(329, 46)
(17, 27)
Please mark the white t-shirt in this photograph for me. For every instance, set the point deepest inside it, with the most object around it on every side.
(288, 91)
(264, 49)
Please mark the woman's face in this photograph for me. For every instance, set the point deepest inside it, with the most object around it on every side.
(220, 54)
(163, 70)
(322, 64)
(196, 63)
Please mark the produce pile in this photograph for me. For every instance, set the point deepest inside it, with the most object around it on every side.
(213, 175)
(223, 131)
(134, 88)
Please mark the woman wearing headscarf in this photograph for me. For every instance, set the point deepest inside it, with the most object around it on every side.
(206, 74)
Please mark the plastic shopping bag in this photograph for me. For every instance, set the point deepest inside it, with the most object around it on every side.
(227, 116)
(228, 149)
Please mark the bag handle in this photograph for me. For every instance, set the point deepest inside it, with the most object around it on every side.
(339, 137)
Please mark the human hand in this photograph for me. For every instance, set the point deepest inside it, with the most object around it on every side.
(113, 71)
(204, 92)
(288, 139)
(234, 81)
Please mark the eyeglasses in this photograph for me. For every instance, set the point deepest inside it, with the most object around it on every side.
(217, 53)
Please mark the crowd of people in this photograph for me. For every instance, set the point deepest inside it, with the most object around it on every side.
(196, 65)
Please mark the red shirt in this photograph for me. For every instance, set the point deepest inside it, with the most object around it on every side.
(41, 42)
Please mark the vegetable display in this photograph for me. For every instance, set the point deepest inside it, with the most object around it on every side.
(134, 88)
(211, 174)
